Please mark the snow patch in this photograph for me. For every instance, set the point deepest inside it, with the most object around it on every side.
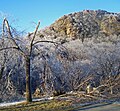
(15, 103)
(10, 104)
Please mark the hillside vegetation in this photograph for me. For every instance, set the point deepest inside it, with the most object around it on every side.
(85, 52)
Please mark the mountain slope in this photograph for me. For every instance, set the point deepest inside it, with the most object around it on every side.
(56, 68)
(85, 24)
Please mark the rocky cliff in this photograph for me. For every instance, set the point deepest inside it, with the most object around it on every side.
(85, 24)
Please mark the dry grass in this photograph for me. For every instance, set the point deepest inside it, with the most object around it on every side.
(65, 102)
(52, 105)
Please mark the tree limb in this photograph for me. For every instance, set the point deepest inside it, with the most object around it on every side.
(45, 41)
(6, 24)
(16, 48)
(31, 44)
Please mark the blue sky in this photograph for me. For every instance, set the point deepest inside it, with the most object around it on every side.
(23, 14)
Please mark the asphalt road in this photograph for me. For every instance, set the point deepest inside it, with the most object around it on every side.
(101, 107)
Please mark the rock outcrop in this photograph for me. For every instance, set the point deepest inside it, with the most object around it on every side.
(85, 24)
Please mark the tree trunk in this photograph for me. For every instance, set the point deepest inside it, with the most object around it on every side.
(28, 86)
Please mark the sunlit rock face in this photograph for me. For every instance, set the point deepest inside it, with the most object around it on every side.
(87, 24)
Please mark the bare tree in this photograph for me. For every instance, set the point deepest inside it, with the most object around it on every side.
(108, 68)
(26, 54)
